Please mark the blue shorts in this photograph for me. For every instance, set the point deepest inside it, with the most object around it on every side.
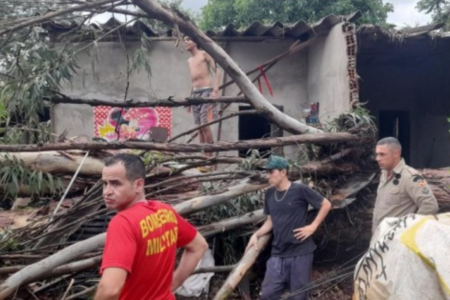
(291, 273)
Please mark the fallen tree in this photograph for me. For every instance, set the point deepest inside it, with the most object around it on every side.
(317, 138)
(46, 265)
(55, 162)
(241, 269)
(439, 181)
(66, 162)
(97, 242)
(232, 223)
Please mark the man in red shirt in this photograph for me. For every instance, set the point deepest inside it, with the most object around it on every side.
(142, 239)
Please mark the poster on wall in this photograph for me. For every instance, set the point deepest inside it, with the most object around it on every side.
(120, 124)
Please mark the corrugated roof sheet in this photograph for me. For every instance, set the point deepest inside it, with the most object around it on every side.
(256, 29)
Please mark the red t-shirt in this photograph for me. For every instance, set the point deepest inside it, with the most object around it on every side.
(143, 240)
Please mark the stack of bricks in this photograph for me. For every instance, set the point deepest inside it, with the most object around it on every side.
(350, 37)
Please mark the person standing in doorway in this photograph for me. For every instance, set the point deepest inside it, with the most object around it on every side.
(286, 206)
(205, 78)
(402, 190)
(143, 238)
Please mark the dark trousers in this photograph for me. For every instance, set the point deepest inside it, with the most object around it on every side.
(291, 273)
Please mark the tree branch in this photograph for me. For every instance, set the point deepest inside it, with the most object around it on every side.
(232, 223)
(241, 269)
(52, 15)
(154, 103)
(239, 113)
(317, 138)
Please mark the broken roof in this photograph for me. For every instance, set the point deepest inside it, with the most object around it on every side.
(297, 30)
(414, 38)
(408, 32)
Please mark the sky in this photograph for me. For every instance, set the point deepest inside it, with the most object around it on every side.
(405, 14)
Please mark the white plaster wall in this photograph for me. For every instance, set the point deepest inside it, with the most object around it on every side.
(315, 74)
(169, 77)
(288, 78)
(328, 81)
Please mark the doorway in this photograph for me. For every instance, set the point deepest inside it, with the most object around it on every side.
(396, 123)
(256, 127)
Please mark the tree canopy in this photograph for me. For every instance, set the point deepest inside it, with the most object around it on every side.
(439, 10)
(218, 13)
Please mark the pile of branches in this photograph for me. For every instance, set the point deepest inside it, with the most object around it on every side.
(55, 253)
(58, 253)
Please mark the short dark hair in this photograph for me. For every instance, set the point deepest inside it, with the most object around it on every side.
(391, 142)
(134, 166)
(188, 37)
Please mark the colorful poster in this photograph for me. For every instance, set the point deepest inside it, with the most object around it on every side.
(130, 123)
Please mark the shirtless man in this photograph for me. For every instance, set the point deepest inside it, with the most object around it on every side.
(201, 67)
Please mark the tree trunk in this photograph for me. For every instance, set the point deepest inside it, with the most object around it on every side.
(202, 202)
(257, 100)
(153, 103)
(316, 138)
(241, 269)
(72, 267)
(57, 162)
(232, 223)
(354, 229)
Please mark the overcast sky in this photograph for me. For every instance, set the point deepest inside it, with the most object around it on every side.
(405, 12)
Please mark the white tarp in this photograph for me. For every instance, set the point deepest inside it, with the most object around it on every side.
(196, 284)
(408, 259)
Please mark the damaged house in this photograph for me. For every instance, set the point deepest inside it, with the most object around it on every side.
(311, 72)
(398, 75)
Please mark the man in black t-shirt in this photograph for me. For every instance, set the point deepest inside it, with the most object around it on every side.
(286, 206)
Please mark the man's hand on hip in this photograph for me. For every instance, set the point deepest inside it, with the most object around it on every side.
(304, 232)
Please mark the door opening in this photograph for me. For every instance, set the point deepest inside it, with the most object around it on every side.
(256, 127)
(396, 123)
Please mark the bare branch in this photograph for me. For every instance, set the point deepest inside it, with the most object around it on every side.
(54, 14)
(239, 113)
(153, 103)
(317, 138)
(127, 12)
